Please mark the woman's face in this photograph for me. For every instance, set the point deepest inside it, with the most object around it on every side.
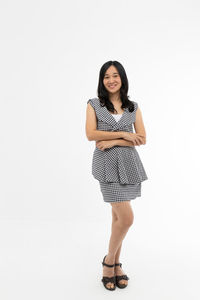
(112, 80)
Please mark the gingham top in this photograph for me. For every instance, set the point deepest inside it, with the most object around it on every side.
(119, 163)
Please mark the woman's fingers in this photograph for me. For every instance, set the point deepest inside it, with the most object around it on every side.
(137, 142)
(140, 138)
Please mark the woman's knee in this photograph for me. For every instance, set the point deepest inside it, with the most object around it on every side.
(124, 213)
(114, 215)
(126, 221)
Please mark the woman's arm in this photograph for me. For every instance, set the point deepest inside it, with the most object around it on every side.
(115, 142)
(139, 125)
(98, 135)
(123, 142)
(91, 128)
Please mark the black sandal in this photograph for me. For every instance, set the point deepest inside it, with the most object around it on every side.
(120, 277)
(106, 279)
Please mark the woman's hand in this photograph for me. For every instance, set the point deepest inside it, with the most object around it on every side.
(102, 145)
(136, 138)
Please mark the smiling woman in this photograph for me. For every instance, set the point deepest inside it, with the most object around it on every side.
(116, 163)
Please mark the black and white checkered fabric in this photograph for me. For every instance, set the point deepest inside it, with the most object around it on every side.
(120, 164)
(118, 192)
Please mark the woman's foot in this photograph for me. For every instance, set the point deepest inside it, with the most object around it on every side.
(119, 271)
(109, 272)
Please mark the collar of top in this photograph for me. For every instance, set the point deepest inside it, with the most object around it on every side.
(103, 114)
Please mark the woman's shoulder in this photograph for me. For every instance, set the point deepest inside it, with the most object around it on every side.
(93, 100)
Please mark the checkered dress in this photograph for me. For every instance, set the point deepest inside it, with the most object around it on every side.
(119, 169)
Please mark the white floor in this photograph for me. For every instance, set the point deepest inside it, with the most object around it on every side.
(62, 260)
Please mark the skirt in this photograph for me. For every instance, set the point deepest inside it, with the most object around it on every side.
(117, 192)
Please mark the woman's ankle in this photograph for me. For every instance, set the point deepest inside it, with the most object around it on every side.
(110, 259)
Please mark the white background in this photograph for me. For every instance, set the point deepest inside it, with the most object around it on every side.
(55, 227)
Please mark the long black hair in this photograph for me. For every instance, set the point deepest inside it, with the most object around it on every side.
(102, 93)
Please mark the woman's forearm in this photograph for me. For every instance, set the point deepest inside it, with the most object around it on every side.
(100, 135)
(122, 142)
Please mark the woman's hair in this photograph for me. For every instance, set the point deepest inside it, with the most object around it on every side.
(102, 93)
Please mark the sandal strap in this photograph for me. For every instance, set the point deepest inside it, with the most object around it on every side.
(118, 264)
(106, 279)
(119, 277)
(104, 264)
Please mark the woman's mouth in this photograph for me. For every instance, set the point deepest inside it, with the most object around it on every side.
(112, 86)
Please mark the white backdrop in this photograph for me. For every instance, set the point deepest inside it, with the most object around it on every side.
(55, 227)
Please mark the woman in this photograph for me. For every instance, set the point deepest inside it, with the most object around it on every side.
(116, 163)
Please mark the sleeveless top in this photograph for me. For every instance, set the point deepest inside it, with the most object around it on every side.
(119, 163)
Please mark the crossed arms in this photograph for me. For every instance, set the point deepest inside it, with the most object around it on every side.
(118, 138)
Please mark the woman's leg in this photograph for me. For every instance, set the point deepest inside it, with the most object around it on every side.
(118, 269)
(114, 219)
(123, 219)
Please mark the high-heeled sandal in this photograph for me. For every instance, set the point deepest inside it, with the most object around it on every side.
(107, 279)
(120, 277)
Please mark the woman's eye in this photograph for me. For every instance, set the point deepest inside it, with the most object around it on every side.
(108, 77)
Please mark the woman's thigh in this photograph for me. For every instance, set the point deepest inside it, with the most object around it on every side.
(123, 211)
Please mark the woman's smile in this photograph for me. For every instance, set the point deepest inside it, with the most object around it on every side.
(111, 86)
